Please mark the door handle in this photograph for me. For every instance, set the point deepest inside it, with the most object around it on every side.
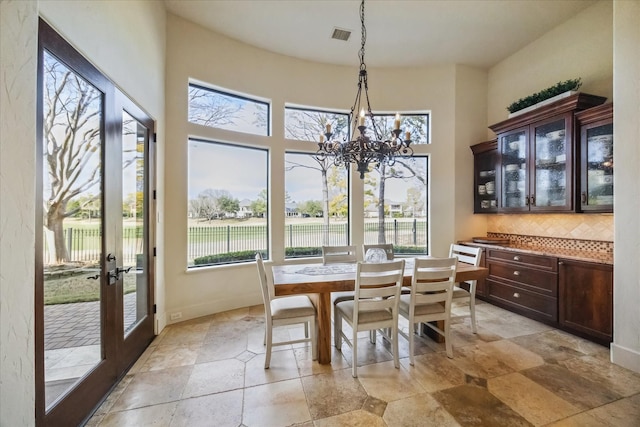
(123, 270)
(114, 275)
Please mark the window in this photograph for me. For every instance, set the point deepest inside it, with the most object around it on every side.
(228, 203)
(417, 124)
(307, 124)
(395, 205)
(317, 205)
(213, 108)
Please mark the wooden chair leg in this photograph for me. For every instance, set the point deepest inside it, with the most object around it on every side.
(267, 355)
(411, 345)
(337, 330)
(447, 339)
(472, 310)
(354, 353)
(394, 338)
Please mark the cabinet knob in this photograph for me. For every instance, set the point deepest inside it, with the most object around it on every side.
(516, 295)
(560, 262)
(516, 273)
(516, 258)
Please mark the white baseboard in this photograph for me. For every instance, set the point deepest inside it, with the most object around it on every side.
(213, 307)
(625, 357)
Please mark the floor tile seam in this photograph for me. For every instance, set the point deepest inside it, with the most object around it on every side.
(213, 393)
(271, 382)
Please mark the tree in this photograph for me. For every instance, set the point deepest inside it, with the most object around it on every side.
(337, 185)
(415, 199)
(228, 205)
(312, 208)
(308, 125)
(72, 146)
(259, 206)
(211, 108)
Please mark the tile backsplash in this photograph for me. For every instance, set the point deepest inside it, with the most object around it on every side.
(569, 226)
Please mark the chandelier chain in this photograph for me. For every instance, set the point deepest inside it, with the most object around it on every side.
(363, 150)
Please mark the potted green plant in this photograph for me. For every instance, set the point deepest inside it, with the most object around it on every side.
(560, 90)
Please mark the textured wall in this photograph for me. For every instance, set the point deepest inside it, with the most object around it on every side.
(18, 49)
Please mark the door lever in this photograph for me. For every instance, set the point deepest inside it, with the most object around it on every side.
(114, 275)
(122, 270)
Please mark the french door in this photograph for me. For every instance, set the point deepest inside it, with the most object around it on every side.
(94, 262)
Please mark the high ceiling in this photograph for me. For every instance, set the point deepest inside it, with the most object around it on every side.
(399, 32)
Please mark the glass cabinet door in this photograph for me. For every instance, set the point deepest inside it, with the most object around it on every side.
(486, 198)
(551, 159)
(598, 191)
(513, 185)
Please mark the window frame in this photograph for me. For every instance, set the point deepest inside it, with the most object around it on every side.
(267, 251)
(231, 94)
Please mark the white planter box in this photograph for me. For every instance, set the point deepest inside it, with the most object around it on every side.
(543, 103)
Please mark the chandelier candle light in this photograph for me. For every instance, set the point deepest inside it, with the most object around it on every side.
(364, 150)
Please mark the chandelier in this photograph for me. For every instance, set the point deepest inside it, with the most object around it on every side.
(364, 149)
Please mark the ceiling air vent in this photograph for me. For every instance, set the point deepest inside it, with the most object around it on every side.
(340, 34)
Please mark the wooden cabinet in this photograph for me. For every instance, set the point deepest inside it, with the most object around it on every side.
(586, 299)
(595, 156)
(485, 157)
(536, 167)
(534, 159)
(523, 283)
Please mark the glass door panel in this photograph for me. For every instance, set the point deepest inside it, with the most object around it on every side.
(72, 146)
(513, 148)
(134, 249)
(550, 180)
(93, 245)
(599, 154)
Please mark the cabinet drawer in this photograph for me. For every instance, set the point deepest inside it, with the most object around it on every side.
(538, 261)
(533, 280)
(530, 304)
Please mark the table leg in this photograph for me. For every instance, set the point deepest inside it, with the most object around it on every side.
(323, 306)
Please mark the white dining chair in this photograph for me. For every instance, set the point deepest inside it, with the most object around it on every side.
(281, 311)
(430, 299)
(339, 254)
(374, 307)
(467, 255)
(387, 247)
(336, 255)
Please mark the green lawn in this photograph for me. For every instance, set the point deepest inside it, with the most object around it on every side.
(77, 288)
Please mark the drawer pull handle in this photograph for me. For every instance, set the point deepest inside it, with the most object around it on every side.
(516, 295)
(516, 258)
(516, 273)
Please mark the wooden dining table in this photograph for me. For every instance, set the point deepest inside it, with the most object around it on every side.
(318, 281)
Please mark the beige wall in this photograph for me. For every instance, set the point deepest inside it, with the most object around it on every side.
(127, 43)
(626, 130)
(196, 53)
(581, 47)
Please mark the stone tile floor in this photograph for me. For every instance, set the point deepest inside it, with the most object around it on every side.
(514, 372)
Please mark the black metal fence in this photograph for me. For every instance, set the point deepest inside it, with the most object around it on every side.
(84, 245)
